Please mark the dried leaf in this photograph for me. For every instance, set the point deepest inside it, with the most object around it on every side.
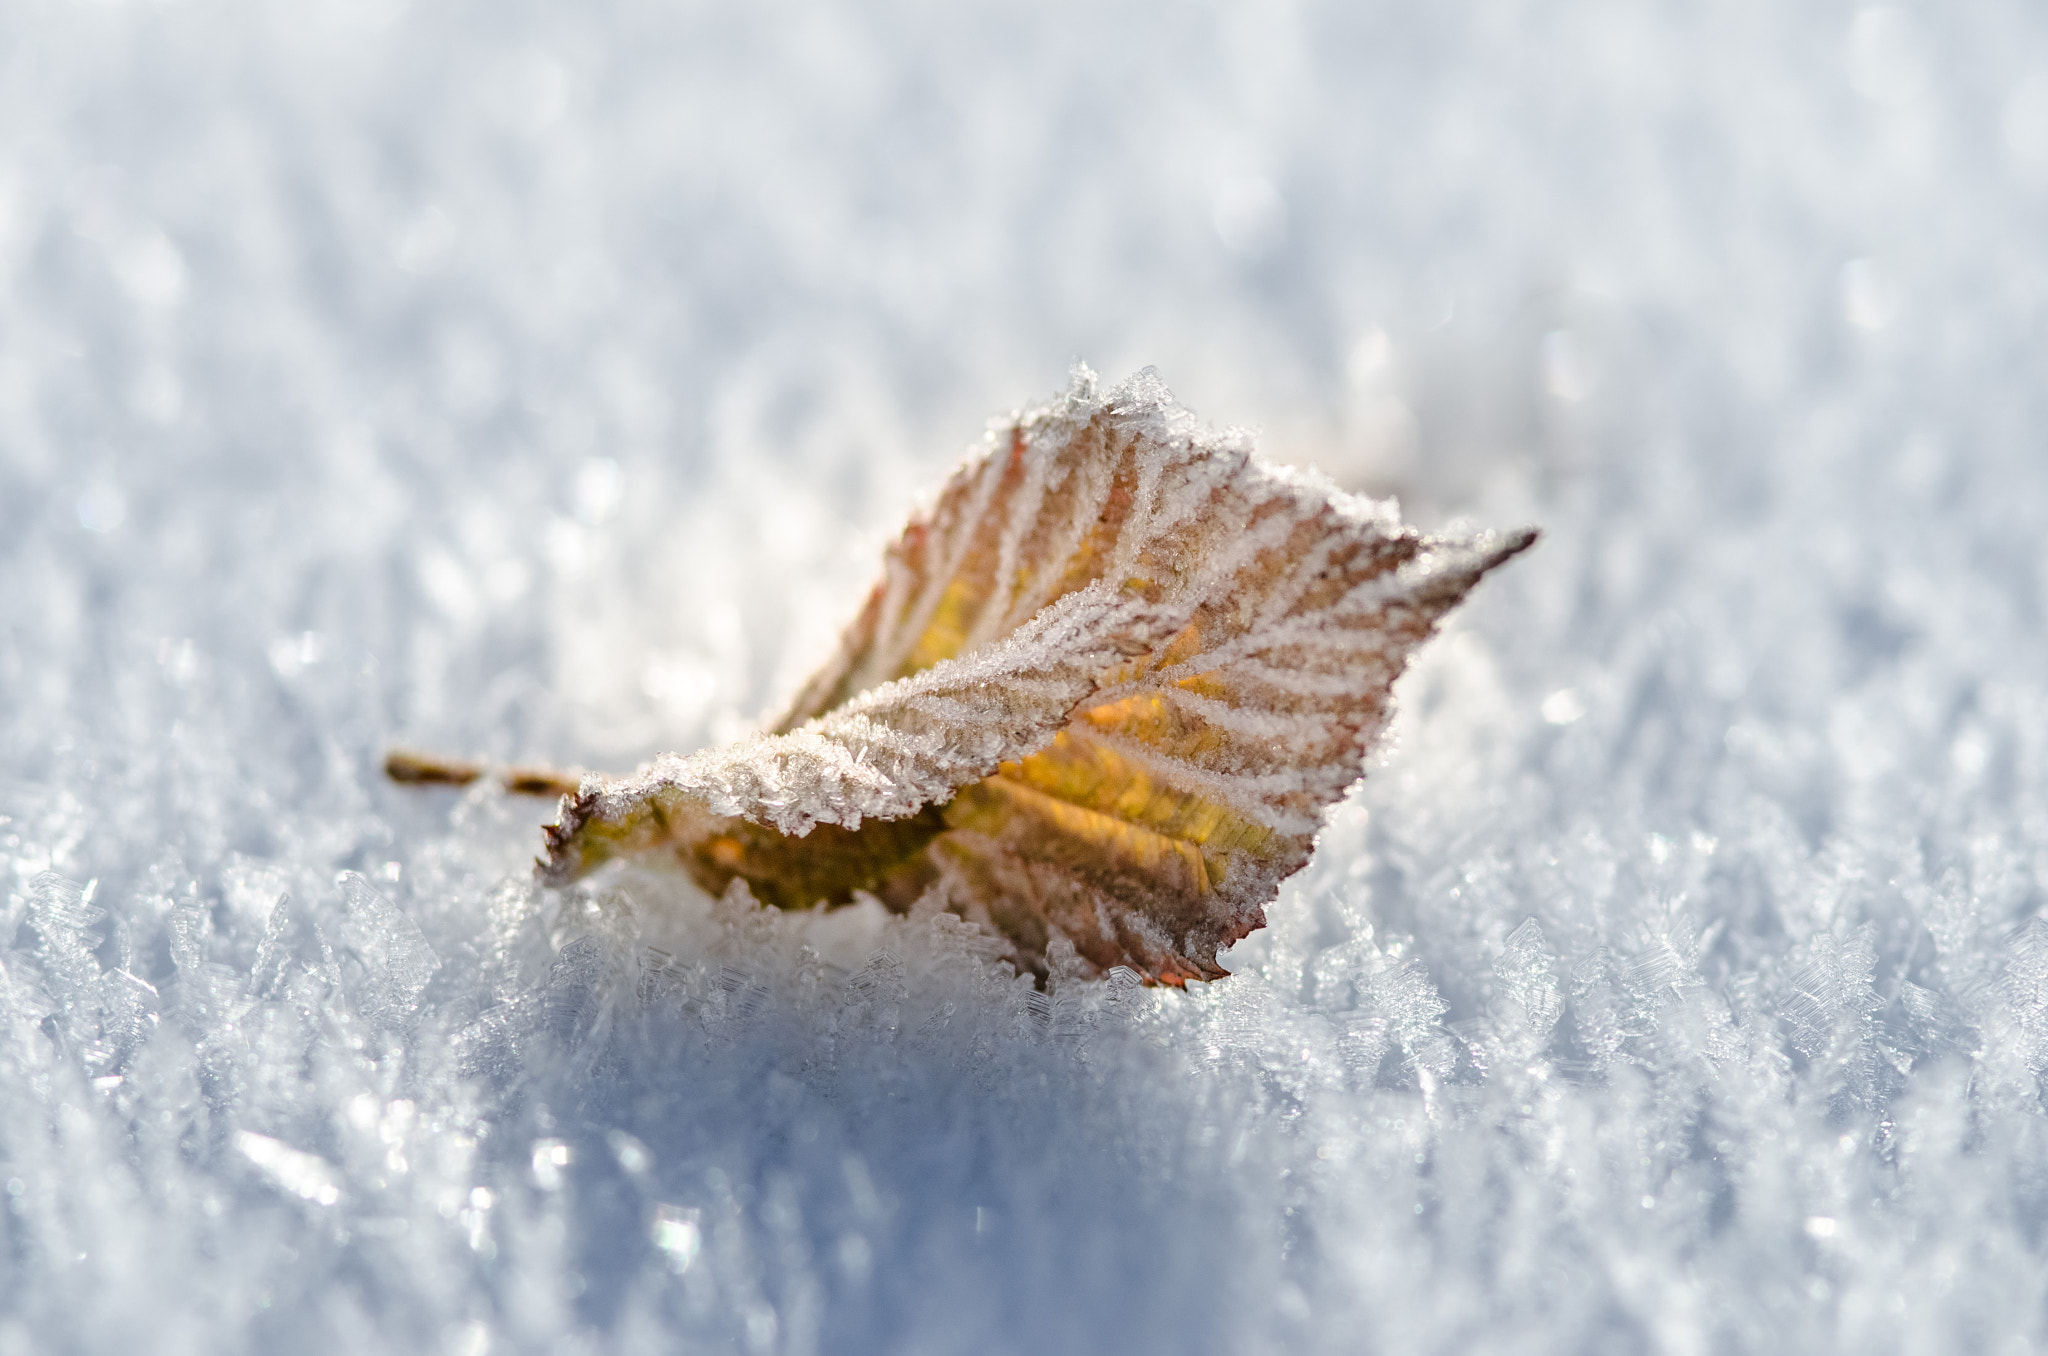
(1105, 690)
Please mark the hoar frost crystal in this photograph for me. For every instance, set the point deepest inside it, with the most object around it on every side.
(1099, 701)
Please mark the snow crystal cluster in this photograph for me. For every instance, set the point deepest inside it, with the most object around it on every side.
(542, 381)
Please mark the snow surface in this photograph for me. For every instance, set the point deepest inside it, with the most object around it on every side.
(531, 381)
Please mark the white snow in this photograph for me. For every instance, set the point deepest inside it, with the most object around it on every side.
(542, 382)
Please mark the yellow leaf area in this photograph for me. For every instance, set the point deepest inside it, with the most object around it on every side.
(1086, 791)
(958, 606)
(1133, 869)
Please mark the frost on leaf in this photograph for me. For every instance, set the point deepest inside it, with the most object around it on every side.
(1104, 691)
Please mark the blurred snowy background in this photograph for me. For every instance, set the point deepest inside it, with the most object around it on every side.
(542, 381)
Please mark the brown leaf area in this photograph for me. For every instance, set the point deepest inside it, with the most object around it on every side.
(1149, 822)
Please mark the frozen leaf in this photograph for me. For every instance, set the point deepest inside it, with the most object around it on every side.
(1102, 695)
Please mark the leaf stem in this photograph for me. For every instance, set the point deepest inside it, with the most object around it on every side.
(410, 768)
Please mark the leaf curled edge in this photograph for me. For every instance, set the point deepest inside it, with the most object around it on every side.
(886, 754)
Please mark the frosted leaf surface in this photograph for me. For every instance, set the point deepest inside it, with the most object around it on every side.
(887, 753)
(1118, 670)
